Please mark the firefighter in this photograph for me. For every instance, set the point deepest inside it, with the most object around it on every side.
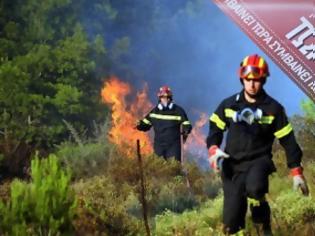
(253, 119)
(167, 118)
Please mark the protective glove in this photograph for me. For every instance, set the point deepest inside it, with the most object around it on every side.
(299, 180)
(137, 125)
(216, 157)
(185, 135)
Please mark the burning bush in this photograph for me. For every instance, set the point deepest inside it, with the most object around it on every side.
(125, 115)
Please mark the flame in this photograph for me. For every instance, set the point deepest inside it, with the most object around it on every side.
(125, 116)
(196, 142)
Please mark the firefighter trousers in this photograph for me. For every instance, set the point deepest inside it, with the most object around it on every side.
(238, 187)
(169, 150)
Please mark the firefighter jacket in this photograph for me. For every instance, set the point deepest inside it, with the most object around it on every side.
(166, 122)
(250, 137)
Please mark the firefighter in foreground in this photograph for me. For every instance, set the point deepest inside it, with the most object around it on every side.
(253, 119)
(169, 122)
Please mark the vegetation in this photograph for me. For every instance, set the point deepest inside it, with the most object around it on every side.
(59, 173)
(43, 206)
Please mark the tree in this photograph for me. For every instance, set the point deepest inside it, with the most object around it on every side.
(304, 128)
(47, 75)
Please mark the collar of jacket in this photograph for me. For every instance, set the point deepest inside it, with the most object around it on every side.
(262, 98)
(170, 106)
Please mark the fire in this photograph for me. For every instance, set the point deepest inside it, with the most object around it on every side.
(125, 116)
(196, 142)
(126, 113)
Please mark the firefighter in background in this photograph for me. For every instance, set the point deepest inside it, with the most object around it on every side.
(253, 119)
(167, 118)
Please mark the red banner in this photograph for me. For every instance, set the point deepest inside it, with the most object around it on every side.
(284, 30)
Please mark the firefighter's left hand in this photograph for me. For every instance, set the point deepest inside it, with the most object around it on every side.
(216, 157)
(299, 181)
(185, 135)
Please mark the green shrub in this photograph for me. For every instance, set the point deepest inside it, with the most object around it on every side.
(86, 157)
(166, 184)
(279, 184)
(203, 221)
(5, 191)
(105, 211)
(109, 204)
(291, 211)
(43, 206)
(292, 214)
(87, 160)
(309, 171)
(174, 196)
(211, 185)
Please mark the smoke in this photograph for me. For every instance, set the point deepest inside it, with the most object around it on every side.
(186, 44)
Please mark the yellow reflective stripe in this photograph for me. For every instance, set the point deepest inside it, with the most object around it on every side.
(253, 202)
(245, 61)
(186, 122)
(146, 121)
(216, 119)
(239, 233)
(266, 120)
(284, 131)
(229, 113)
(165, 117)
(261, 62)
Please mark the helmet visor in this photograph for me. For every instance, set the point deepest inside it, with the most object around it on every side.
(164, 95)
(251, 72)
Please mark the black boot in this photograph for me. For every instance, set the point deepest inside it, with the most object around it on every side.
(267, 229)
(261, 218)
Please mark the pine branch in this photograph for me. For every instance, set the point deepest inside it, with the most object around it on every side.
(74, 133)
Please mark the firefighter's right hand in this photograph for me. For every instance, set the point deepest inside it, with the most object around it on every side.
(137, 125)
(216, 157)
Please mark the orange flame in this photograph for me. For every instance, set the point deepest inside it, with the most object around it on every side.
(125, 116)
(196, 142)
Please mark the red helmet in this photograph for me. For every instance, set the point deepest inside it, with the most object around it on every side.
(165, 91)
(253, 67)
